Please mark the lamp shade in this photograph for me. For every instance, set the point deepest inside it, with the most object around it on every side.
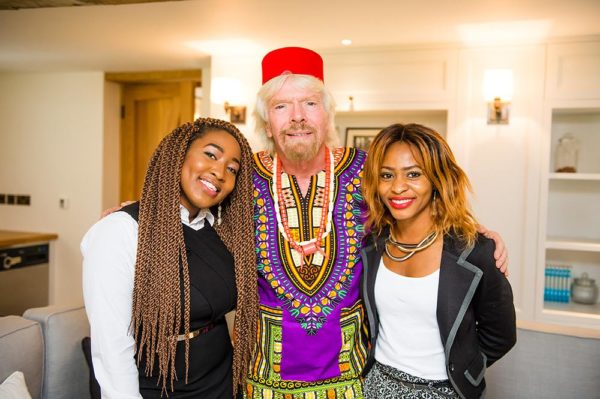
(225, 90)
(498, 83)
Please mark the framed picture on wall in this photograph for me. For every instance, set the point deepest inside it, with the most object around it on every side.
(361, 137)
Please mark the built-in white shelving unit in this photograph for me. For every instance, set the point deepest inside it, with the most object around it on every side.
(570, 209)
(572, 244)
(575, 176)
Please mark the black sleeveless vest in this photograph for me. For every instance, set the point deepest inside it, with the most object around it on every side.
(212, 295)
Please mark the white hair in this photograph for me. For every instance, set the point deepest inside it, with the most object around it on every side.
(269, 89)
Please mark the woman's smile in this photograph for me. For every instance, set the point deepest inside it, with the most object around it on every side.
(401, 202)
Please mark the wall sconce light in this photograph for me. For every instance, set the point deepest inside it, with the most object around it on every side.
(226, 91)
(237, 113)
(498, 91)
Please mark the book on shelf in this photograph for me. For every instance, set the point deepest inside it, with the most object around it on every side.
(557, 286)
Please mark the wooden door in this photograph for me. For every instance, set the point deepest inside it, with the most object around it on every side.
(150, 112)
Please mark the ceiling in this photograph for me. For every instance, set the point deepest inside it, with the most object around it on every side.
(18, 4)
(183, 34)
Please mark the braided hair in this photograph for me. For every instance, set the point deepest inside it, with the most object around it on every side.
(161, 294)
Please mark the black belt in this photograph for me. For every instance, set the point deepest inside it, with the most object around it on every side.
(422, 385)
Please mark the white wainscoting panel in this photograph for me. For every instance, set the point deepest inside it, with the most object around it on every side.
(391, 78)
(573, 71)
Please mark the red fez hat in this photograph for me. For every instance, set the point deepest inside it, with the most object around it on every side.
(296, 60)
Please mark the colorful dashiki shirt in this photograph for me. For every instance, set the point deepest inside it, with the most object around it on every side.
(310, 342)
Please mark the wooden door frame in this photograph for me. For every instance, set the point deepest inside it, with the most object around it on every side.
(155, 76)
(187, 80)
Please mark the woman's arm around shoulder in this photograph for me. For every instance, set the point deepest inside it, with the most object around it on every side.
(109, 250)
(493, 303)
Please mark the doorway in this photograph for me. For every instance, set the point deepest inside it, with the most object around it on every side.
(152, 105)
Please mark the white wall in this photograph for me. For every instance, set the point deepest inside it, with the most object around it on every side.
(51, 143)
(503, 161)
(246, 69)
(111, 145)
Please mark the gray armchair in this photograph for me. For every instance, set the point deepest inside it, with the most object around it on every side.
(22, 349)
(45, 344)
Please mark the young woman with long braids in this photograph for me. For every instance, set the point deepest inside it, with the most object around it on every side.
(439, 310)
(160, 275)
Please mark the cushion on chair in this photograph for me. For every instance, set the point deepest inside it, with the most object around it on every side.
(21, 349)
(66, 371)
(14, 387)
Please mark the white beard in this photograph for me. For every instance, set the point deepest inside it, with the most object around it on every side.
(300, 151)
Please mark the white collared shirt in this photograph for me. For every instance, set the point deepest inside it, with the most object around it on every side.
(109, 252)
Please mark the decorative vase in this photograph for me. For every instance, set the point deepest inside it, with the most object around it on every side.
(584, 290)
(566, 154)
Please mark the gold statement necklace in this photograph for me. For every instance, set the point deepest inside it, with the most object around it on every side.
(309, 247)
(408, 249)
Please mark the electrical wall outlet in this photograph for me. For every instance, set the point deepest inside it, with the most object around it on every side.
(15, 199)
(63, 203)
(23, 200)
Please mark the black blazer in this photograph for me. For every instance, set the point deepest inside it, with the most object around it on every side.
(475, 311)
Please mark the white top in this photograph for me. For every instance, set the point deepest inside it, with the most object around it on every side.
(409, 338)
(109, 251)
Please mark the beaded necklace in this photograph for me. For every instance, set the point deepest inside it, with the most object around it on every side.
(304, 248)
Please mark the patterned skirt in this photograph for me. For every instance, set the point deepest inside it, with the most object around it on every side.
(385, 382)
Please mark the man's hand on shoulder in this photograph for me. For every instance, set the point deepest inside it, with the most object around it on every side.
(501, 253)
(108, 211)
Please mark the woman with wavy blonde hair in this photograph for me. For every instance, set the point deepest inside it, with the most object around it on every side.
(439, 310)
(160, 275)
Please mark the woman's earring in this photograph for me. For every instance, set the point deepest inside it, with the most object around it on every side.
(434, 204)
(219, 220)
